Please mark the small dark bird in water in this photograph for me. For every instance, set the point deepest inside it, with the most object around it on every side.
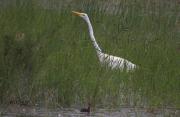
(86, 109)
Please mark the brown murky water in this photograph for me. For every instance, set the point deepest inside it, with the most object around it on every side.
(22, 111)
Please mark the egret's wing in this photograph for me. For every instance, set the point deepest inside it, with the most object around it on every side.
(116, 62)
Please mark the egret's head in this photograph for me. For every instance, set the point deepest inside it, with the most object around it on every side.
(83, 15)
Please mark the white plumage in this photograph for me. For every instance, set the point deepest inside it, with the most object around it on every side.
(113, 62)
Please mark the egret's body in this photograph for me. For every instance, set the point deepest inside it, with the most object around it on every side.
(113, 62)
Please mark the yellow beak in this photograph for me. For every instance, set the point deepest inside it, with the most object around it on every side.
(76, 13)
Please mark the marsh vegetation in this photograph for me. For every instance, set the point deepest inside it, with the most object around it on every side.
(47, 58)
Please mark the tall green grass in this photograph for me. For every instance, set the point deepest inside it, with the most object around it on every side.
(46, 55)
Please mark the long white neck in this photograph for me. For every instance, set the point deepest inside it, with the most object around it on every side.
(91, 33)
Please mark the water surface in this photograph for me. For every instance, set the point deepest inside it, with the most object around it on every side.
(24, 111)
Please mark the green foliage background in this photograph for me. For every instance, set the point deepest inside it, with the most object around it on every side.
(46, 56)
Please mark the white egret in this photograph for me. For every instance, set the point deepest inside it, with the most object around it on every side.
(113, 62)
